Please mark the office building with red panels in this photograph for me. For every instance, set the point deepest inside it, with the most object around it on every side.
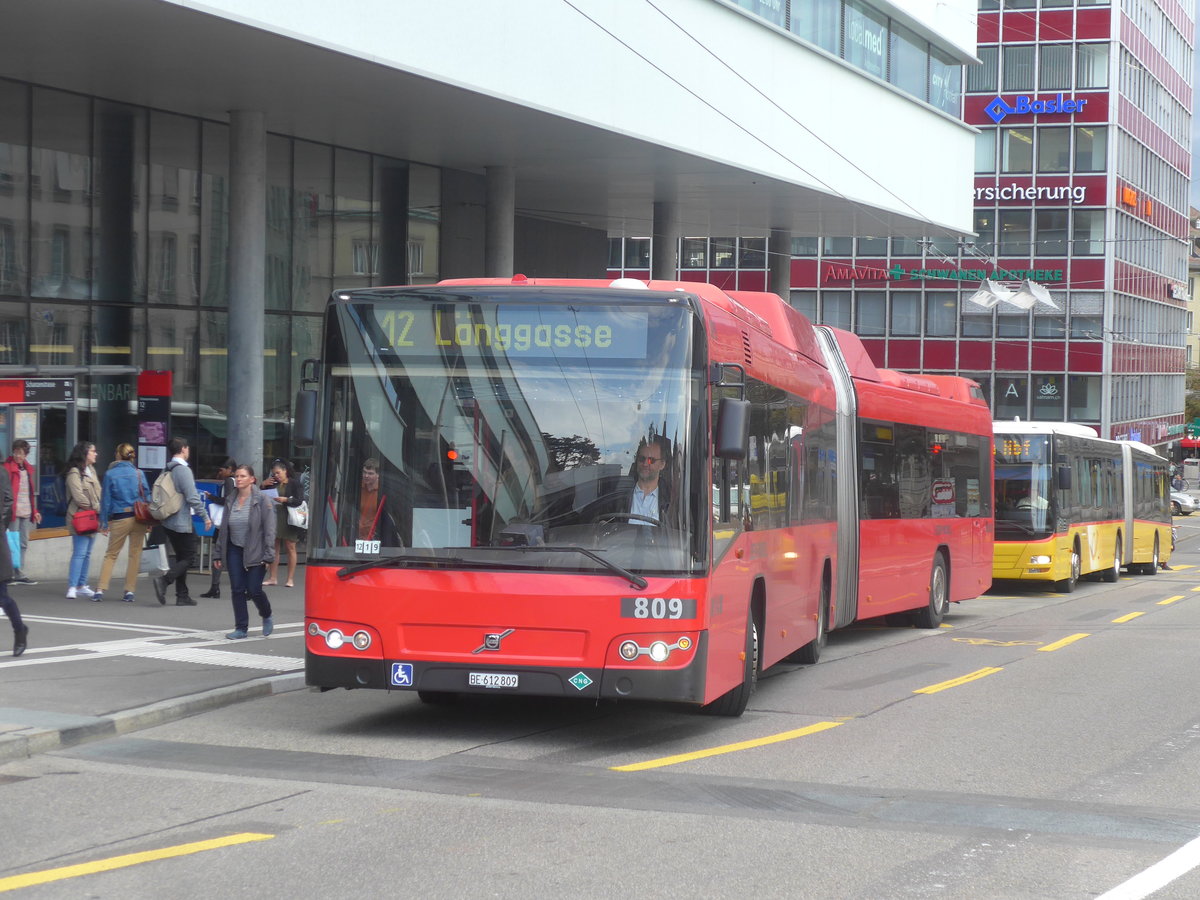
(1070, 300)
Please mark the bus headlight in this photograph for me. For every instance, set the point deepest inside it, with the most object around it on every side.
(1039, 560)
(659, 650)
(335, 638)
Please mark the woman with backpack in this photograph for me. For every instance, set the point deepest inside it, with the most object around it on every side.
(84, 493)
(124, 484)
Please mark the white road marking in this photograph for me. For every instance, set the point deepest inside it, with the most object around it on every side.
(182, 645)
(1158, 875)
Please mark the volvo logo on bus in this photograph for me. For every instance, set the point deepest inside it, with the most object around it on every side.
(492, 641)
(998, 109)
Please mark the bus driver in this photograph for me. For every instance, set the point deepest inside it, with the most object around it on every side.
(652, 493)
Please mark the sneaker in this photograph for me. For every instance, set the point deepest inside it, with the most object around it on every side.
(20, 640)
(160, 588)
(184, 601)
(268, 626)
(85, 591)
(236, 635)
(98, 596)
(23, 579)
(70, 593)
(128, 598)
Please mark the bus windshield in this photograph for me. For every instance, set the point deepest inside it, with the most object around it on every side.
(1024, 487)
(525, 433)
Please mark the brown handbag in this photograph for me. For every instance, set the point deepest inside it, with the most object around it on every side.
(141, 509)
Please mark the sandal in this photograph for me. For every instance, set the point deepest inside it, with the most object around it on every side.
(270, 583)
(289, 584)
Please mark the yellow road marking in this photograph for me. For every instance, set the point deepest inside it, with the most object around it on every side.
(1171, 600)
(1127, 617)
(989, 642)
(727, 748)
(955, 682)
(1196, 588)
(1058, 645)
(130, 859)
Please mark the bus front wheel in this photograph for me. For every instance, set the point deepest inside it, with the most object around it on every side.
(931, 615)
(735, 701)
(1067, 585)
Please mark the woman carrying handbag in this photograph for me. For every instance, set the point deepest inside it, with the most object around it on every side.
(83, 516)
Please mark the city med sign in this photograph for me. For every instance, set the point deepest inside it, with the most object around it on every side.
(1023, 105)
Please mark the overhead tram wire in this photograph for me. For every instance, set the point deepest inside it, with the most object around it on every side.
(759, 139)
(918, 213)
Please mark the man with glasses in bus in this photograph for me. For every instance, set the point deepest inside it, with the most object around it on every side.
(651, 494)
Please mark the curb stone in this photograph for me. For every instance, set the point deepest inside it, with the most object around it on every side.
(28, 742)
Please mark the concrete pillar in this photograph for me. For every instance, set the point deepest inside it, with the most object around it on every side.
(114, 424)
(247, 284)
(664, 242)
(779, 263)
(500, 221)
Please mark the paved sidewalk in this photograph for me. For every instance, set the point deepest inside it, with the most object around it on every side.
(98, 669)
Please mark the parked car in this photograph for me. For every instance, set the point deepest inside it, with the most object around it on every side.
(1182, 504)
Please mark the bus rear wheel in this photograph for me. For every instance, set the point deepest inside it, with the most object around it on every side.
(734, 702)
(1067, 585)
(1113, 575)
(810, 653)
(1151, 568)
(931, 615)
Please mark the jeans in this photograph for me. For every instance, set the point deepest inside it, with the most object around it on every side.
(81, 559)
(245, 583)
(185, 545)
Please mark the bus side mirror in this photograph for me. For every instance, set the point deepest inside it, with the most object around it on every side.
(733, 428)
(305, 427)
(1064, 479)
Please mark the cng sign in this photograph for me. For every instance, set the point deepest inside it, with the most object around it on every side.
(1025, 105)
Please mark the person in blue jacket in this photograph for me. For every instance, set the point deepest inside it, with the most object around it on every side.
(123, 484)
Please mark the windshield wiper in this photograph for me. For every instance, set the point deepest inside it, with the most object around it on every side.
(401, 561)
(395, 562)
(636, 580)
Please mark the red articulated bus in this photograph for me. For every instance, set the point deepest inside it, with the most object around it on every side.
(619, 489)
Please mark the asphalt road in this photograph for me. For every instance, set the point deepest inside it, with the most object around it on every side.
(1041, 746)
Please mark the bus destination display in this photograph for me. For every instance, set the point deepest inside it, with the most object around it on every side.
(519, 331)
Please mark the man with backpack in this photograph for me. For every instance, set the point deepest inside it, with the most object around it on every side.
(173, 500)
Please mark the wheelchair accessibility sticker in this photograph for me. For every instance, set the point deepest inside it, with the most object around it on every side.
(402, 674)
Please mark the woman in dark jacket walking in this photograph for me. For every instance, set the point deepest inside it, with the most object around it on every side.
(244, 547)
(20, 629)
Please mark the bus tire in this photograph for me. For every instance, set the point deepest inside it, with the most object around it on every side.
(1067, 585)
(1114, 574)
(733, 703)
(939, 595)
(810, 653)
(1151, 568)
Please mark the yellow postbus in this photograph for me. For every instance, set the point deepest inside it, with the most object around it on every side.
(1070, 504)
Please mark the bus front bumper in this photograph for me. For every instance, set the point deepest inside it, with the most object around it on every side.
(683, 684)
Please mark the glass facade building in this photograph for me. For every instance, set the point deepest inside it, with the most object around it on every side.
(114, 232)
